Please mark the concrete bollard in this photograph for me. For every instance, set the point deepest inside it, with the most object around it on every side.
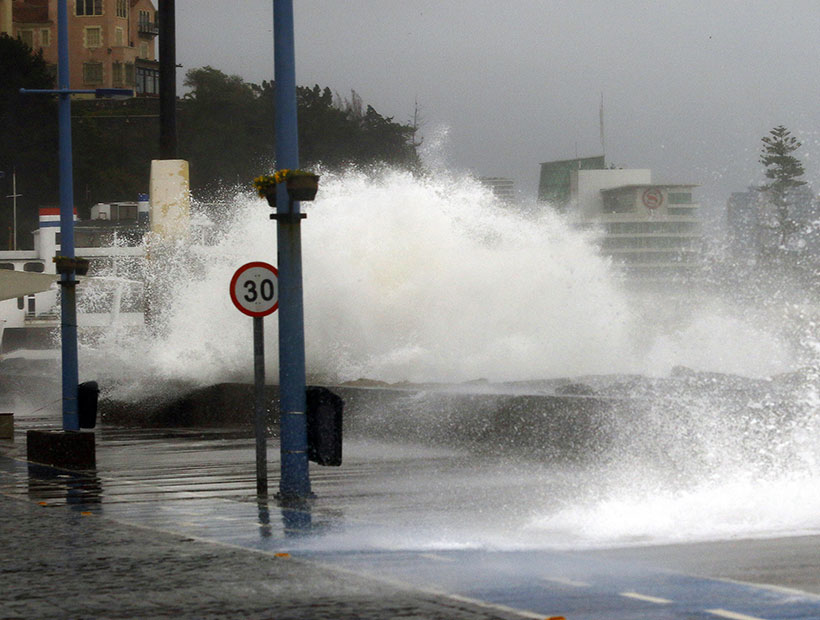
(6, 426)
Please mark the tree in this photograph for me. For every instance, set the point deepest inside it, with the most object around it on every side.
(226, 130)
(28, 125)
(222, 130)
(113, 143)
(783, 169)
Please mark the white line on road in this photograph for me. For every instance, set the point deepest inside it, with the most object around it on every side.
(496, 606)
(567, 582)
(772, 588)
(732, 615)
(645, 597)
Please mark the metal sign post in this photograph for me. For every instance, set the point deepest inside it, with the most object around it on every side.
(255, 292)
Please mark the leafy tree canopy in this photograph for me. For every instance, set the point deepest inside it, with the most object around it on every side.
(225, 129)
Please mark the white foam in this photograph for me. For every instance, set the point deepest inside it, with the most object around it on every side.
(433, 279)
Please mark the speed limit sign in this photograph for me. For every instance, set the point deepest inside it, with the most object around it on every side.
(255, 289)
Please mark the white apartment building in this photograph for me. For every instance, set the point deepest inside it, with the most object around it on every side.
(652, 230)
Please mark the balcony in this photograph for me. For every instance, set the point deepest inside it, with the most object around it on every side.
(147, 29)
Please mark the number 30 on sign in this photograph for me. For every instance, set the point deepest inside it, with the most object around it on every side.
(255, 289)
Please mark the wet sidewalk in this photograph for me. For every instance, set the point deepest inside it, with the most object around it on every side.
(169, 525)
(105, 544)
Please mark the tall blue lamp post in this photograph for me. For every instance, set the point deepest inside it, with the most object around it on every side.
(295, 478)
(68, 282)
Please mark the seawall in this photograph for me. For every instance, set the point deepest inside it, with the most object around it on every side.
(553, 426)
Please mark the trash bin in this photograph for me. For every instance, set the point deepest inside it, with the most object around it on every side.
(87, 395)
(324, 426)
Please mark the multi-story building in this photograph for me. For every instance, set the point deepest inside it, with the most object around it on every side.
(111, 42)
(653, 230)
(502, 187)
(555, 180)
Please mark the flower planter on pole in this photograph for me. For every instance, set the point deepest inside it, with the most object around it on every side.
(303, 186)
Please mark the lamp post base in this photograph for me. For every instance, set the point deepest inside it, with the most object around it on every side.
(66, 449)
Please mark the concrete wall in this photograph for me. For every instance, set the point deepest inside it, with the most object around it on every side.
(566, 428)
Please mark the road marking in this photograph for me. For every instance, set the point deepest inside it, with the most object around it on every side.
(436, 557)
(567, 582)
(724, 613)
(771, 587)
(496, 606)
(645, 597)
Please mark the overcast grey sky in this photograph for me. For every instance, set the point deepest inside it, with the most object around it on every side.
(689, 87)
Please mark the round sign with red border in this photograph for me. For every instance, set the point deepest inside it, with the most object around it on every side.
(652, 198)
(255, 289)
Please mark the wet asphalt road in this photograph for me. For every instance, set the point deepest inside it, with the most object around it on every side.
(397, 531)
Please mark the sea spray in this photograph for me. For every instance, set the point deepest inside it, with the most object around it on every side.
(432, 279)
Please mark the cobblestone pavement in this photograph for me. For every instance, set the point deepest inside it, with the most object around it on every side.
(169, 525)
(62, 561)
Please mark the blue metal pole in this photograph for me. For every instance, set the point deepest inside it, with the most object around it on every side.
(295, 476)
(68, 302)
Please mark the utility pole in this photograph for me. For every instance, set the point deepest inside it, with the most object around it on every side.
(167, 80)
(68, 448)
(68, 283)
(294, 483)
(67, 268)
(14, 196)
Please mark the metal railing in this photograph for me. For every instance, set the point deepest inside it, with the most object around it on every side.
(149, 28)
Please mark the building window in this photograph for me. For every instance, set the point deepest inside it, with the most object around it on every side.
(147, 81)
(619, 203)
(144, 20)
(122, 8)
(127, 212)
(88, 7)
(687, 210)
(119, 37)
(680, 198)
(9, 266)
(21, 303)
(27, 37)
(117, 74)
(129, 74)
(45, 37)
(93, 36)
(34, 267)
(144, 50)
(92, 72)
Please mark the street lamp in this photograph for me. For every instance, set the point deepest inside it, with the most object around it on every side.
(68, 302)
